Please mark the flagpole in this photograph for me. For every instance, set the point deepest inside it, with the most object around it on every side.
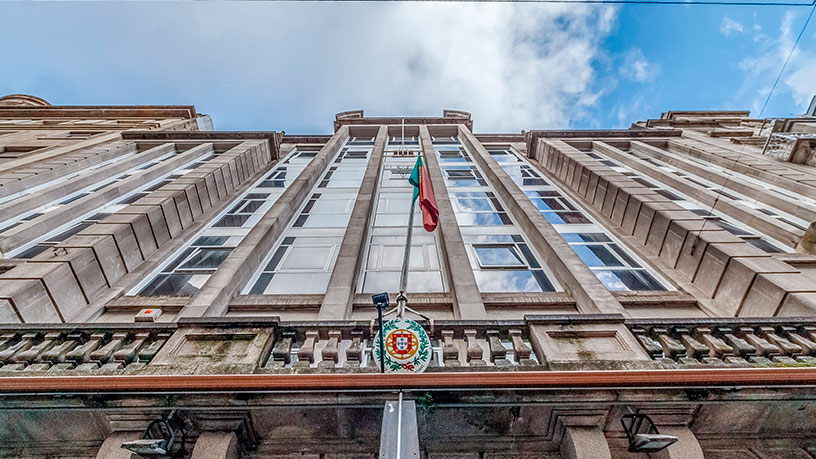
(406, 258)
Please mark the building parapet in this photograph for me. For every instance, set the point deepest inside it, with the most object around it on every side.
(538, 343)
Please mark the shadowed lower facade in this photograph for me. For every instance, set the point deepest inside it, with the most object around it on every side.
(152, 264)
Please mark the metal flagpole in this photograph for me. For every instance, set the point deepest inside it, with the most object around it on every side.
(406, 258)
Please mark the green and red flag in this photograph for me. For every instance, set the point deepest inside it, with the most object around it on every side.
(424, 191)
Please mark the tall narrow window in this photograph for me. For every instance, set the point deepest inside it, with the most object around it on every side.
(191, 266)
(614, 266)
(387, 232)
(500, 256)
(302, 260)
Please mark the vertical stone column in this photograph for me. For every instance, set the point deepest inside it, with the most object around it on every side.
(584, 442)
(339, 298)
(216, 445)
(467, 300)
(687, 447)
(212, 300)
(112, 446)
(591, 297)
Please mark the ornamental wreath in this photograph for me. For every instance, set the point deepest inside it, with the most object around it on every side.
(422, 356)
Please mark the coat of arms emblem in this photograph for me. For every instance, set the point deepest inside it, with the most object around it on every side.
(407, 347)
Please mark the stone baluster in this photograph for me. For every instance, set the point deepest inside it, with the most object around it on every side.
(769, 333)
(810, 333)
(148, 352)
(282, 352)
(450, 352)
(354, 353)
(671, 347)
(808, 346)
(104, 353)
(82, 353)
(6, 339)
(498, 353)
(741, 347)
(331, 352)
(522, 351)
(764, 348)
(717, 347)
(31, 354)
(651, 347)
(128, 353)
(306, 352)
(59, 353)
(475, 352)
(694, 348)
(26, 341)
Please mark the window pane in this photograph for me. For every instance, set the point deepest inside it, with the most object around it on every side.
(307, 258)
(596, 255)
(507, 281)
(628, 280)
(299, 283)
(206, 259)
(497, 256)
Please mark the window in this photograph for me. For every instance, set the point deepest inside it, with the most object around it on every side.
(445, 140)
(463, 176)
(610, 262)
(299, 265)
(192, 265)
(479, 208)
(303, 258)
(387, 233)
(505, 263)
(452, 155)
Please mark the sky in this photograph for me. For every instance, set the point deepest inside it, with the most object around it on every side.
(515, 66)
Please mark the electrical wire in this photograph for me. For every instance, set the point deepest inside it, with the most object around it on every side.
(590, 2)
(761, 112)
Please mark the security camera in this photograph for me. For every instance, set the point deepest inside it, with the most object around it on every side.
(147, 447)
(651, 443)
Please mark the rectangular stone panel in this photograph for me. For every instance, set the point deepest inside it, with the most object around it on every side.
(125, 241)
(59, 282)
(738, 277)
(83, 264)
(106, 252)
(140, 226)
(28, 300)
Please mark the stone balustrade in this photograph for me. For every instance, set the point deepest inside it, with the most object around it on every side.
(538, 343)
(103, 350)
(727, 342)
(474, 346)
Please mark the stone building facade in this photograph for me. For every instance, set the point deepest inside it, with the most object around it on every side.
(150, 263)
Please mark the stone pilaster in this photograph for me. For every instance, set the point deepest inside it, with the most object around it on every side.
(337, 303)
(466, 297)
(216, 445)
(112, 446)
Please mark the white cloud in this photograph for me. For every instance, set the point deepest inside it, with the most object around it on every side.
(762, 68)
(730, 27)
(636, 67)
(514, 66)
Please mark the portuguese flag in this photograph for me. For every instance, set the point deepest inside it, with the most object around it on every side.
(424, 191)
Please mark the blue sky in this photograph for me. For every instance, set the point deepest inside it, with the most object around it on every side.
(291, 66)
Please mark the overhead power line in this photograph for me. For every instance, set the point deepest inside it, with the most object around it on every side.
(591, 2)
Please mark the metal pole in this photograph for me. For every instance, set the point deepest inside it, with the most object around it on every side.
(406, 258)
(382, 339)
(399, 427)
